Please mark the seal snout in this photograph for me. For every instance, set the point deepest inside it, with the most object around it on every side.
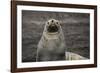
(52, 26)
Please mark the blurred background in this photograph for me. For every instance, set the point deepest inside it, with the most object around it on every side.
(75, 26)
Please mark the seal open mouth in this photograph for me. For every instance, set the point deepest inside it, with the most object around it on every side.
(52, 28)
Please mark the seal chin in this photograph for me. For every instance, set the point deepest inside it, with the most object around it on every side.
(54, 33)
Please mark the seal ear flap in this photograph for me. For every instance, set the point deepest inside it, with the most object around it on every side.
(56, 22)
(47, 22)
